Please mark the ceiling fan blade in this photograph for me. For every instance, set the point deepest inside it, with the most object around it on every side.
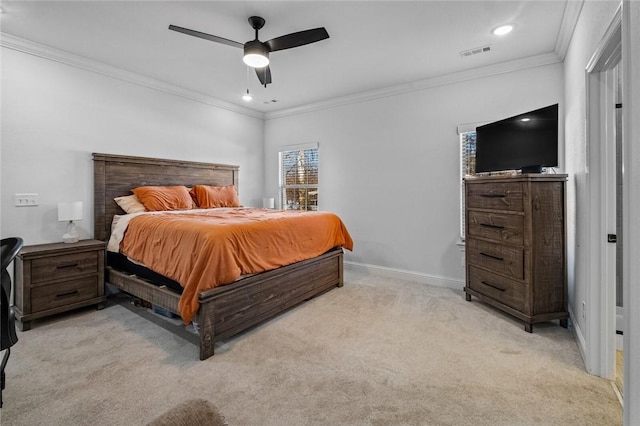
(206, 36)
(297, 39)
(264, 75)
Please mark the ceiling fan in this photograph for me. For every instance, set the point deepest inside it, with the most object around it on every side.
(256, 52)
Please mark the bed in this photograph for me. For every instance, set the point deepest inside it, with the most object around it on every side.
(225, 310)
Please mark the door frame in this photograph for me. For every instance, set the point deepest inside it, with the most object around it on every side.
(600, 191)
(631, 204)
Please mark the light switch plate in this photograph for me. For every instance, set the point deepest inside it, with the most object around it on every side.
(26, 200)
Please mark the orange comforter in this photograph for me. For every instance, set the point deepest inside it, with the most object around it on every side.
(202, 249)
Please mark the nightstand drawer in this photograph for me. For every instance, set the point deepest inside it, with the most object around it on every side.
(63, 266)
(58, 277)
(506, 228)
(67, 293)
(498, 288)
(498, 257)
(500, 196)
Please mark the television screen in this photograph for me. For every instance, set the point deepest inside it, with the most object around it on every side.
(526, 142)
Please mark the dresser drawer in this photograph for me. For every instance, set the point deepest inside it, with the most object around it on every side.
(494, 195)
(498, 288)
(495, 226)
(63, 266)
(502, 259)
(62, 294)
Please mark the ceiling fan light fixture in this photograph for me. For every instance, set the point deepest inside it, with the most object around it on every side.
(256, 61)
(256, 54)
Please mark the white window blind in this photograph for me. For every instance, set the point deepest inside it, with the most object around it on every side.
(299, 177)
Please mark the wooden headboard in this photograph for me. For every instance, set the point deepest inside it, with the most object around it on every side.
(117, 175)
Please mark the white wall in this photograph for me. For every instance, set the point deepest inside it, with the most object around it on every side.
(592, 24)
(390, 166)
(55, 115)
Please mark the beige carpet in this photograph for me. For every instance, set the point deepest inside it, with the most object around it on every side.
(376, 352)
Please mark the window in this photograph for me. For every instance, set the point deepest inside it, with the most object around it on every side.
(299, 177)
(467, 167)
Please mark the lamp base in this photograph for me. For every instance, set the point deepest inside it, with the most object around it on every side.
(68, 238)
(71, 236)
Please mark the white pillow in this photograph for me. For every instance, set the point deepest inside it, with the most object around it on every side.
(130, 204)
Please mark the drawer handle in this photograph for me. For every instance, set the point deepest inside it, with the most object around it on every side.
(491, 226)
(67, 294)
(66, 265)
(492, 256)
(492, 286)
(493, 195)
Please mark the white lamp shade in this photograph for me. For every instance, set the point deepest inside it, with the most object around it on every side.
(70, 211)
(268, 203)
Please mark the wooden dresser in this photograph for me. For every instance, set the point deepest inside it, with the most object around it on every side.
(515, 245)
(58, 277)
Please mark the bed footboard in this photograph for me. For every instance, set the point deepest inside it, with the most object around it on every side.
(227, 310)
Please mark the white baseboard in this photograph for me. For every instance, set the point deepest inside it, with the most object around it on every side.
(401, 274)
(582, 343)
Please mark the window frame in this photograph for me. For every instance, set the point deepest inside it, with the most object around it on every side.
(466, 153)
(282, 187)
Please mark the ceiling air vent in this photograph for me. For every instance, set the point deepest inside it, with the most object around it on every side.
(475, 51)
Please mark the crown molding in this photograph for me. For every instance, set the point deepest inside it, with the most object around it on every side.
(570, 18)
(429, 83)
(46, 52)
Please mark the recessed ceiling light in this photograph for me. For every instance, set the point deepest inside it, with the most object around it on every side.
(502, 30)
(525, 119)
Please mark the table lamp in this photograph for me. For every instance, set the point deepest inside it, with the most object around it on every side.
(68, 212)
(268, 203)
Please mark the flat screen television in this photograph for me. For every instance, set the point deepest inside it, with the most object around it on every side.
(526, 142)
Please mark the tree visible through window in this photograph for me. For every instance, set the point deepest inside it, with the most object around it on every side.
(299, 178)
(467, 168)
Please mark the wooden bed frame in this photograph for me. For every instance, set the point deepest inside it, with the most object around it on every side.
(227, 310)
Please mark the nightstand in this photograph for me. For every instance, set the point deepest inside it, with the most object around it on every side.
(54, 278)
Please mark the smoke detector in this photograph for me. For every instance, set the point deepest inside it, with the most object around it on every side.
(476, 50)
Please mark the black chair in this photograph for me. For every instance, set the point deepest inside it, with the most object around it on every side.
(10, 249)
